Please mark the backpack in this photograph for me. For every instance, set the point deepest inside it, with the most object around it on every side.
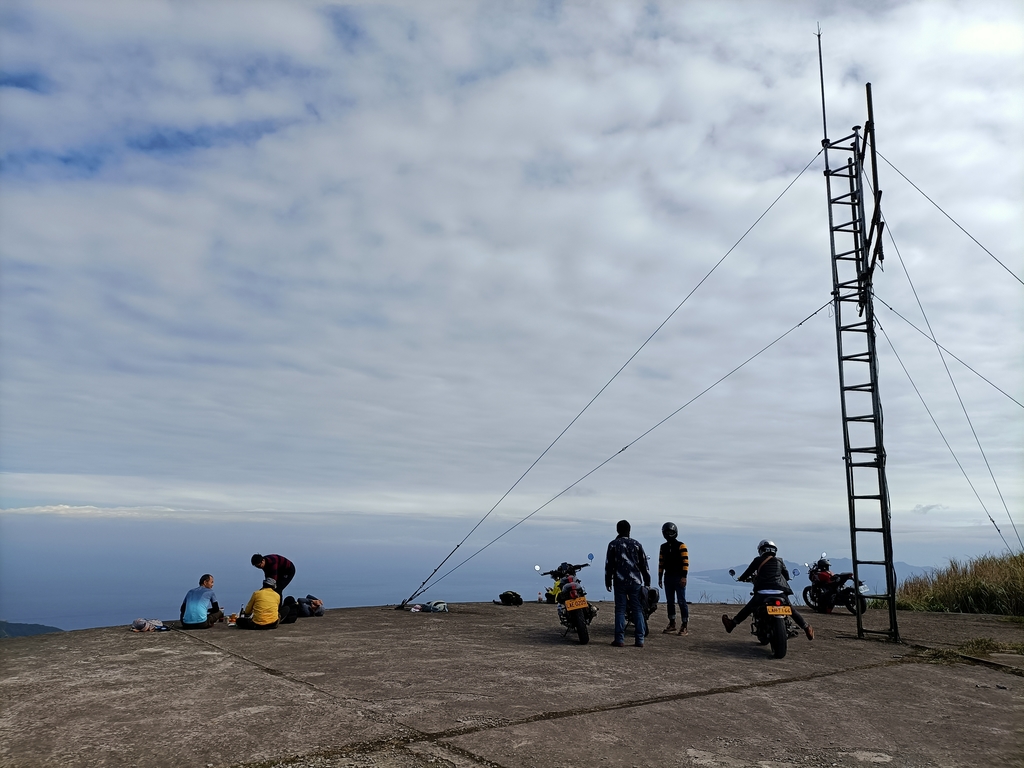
(510, 598)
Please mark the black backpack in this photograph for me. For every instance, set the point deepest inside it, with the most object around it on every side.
(510, 598)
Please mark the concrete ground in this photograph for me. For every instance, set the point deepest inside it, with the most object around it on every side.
(489, 685)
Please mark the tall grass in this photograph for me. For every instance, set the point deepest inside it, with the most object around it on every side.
(987, 584)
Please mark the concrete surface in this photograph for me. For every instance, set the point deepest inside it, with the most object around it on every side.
(489, 685)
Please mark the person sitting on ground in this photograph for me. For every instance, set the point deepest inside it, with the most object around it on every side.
(261, 612)
(199, 609)
(766, 571)
(275, 567)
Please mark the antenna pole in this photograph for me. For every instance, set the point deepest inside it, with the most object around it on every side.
(821, 78)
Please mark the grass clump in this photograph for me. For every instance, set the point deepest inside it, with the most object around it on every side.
(987, 584)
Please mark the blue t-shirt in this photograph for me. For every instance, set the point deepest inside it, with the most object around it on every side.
(198, 603)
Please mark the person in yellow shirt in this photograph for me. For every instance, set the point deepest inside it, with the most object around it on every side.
(262, 610)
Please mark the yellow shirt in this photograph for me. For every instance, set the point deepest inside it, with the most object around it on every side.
(263, 605)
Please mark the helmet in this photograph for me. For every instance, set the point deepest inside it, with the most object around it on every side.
(669, 530)
(823, 564)
(767, 547)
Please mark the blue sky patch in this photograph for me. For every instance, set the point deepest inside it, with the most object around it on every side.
(171, 140)
(36, 82)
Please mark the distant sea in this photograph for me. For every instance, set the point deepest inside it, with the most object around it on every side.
(74, 572)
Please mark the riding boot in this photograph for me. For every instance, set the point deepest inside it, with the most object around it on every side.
(670, 628)
(682, 629)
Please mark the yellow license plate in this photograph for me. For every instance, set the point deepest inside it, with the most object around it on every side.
(579, 602)
(779, 610)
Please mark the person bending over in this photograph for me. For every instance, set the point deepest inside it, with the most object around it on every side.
(275, 567)
(199, 609)
(766, 571)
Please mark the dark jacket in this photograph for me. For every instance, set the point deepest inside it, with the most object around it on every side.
(767, 572)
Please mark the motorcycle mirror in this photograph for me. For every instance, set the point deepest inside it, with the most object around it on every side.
(822, 555)
(796, 572)
(590, 556)
(536, 567)
(732, 572)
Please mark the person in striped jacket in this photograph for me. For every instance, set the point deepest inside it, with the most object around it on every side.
(673, 565)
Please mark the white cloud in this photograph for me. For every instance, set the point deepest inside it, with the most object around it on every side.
(375, 259)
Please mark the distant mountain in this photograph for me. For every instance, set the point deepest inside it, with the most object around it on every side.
(10, 629)
(839, 564)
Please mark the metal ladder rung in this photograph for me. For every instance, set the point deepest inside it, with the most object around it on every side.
(877, 496)
(871, 562)
(864, 464)
(870, 530)
(864, 450)
(858, 388)
(861, 419)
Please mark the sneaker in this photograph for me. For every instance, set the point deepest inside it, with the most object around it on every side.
(730, 625)
(809, 631)
(683, 630)
(670, 628)
(618, 644)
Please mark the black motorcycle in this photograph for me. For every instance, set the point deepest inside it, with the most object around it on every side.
(828, 590)
(771, 622)
(574, 611)
(649, 604)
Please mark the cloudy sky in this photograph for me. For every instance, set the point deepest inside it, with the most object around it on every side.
(282, 260)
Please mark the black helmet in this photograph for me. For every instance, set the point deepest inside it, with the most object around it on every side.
(767, 547)
(823, 564)
(669, 530)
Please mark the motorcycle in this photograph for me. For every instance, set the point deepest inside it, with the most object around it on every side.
(827, 589)
(649, 605)
(771, 621)
(574, 611)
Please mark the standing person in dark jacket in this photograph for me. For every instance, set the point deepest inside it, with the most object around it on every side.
(673, 565)
(275, 567)
(625, 567)
(766, 571)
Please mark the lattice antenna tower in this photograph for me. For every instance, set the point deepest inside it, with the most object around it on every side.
(856, 241)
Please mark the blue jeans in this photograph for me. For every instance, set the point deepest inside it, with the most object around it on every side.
(630, 594)
(674, 588)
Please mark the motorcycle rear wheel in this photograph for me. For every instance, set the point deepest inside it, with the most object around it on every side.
(852, 601)
(580, 624)
(779, 638)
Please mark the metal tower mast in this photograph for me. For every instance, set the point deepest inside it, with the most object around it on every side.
(856, 249)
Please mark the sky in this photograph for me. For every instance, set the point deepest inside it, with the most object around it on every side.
(354, 267)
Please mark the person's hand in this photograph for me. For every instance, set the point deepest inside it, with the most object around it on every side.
(683, 581)
(608, 587)
(660, 584)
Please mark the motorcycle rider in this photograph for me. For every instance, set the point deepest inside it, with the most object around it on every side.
(673, 565)
(766, 571)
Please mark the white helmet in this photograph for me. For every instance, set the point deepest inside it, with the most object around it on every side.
(767, 547)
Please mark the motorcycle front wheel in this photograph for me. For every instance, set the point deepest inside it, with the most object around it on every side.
(579, 622)
(812, 598)
(779, 638)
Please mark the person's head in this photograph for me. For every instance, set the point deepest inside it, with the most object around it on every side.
(622, 527)
(206, 580)
(316, 603)
(767, 547)
(669, 531)
(258, 560)
(270, 583)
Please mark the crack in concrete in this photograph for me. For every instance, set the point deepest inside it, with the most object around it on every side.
(439, 738)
